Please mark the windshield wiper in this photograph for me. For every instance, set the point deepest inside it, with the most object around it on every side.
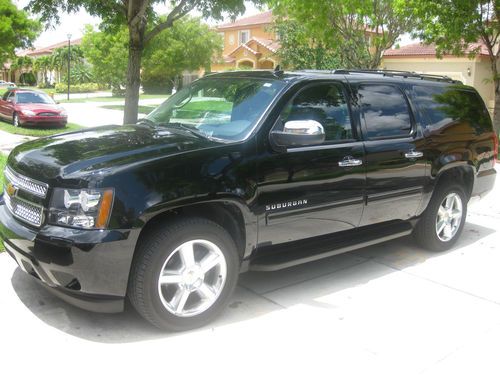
(178, 125)
(188, 129)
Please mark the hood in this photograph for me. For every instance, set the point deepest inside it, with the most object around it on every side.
(39, 107)
(99, 149)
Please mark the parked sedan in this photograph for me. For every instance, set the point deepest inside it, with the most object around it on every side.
(7, 84)
(31, 108)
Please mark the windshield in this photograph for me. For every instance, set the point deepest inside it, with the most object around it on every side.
(224, 108)
(33, 97)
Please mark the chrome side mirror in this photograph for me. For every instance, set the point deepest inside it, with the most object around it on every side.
(299, 133)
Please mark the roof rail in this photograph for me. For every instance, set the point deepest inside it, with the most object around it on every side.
(405, 74)
(326, 71)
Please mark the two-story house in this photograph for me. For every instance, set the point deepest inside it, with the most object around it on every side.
(249, 42)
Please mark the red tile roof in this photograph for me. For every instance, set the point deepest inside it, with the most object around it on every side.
(420, 49)
(258, 19)
(49, 49)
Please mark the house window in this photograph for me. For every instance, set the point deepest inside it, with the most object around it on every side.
(231, 40)
(244, 36)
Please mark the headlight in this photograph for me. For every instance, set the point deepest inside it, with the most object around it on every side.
(63, 113)
(86, 208)
(27, 112)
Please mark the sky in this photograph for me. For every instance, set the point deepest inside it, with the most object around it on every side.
(74, 24)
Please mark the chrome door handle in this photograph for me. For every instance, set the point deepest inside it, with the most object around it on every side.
(413, 154)
(349, 161)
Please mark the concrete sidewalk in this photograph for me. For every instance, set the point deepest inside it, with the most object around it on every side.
(386, 309)
(92, 114)
(8, 141)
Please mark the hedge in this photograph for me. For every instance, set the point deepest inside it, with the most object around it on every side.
(77, 88)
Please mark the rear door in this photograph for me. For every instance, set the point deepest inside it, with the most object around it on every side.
(395, 167)
(310, 191)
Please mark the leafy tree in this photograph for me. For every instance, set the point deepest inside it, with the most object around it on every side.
(300, 51)
(143, 26)
(43, 64)
(81, 73)
(188, 45)
(16, 30)
(455, 24)
(360, 30)
(23, 64)
(107, 53)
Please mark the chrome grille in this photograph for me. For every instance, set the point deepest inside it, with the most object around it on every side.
(27, 184)
(48, 114)
(24, 210)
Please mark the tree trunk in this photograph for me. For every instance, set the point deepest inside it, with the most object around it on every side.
(496, 112)
(136, 46)
(133, 85)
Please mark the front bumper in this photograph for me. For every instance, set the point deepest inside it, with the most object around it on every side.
(86, 268)
(43, 120)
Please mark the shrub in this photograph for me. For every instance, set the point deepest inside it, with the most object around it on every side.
(27, 78)
(78, 88)
(152, 84)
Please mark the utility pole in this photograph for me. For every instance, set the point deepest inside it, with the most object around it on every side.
(69, 61)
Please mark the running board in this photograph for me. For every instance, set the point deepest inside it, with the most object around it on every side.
(276, 262)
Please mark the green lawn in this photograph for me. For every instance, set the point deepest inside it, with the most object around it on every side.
(112, 98)
(193, 109)
(3, 160)
(37, 132)
(145, 109)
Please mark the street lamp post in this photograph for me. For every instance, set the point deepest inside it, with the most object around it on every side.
(69, 61)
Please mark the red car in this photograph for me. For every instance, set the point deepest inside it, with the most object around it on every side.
(29, 107)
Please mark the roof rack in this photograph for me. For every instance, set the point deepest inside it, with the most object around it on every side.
(405, 74)
(329, 71)
(387, 73)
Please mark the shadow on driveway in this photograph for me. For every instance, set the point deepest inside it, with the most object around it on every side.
(254, 295)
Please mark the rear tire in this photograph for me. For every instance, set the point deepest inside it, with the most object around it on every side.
(442, 222)
(183, 274)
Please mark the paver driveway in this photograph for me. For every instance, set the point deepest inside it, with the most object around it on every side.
(387, 309)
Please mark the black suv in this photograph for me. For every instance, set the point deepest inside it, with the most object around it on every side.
(244, 171)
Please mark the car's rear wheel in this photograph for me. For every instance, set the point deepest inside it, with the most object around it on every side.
(184, 274)
(442, 222)
(15, 119)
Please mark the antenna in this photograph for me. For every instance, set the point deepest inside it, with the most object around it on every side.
(278, 72)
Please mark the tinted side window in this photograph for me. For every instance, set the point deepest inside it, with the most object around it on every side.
(326, 104)
(384, 110)
(445, 105)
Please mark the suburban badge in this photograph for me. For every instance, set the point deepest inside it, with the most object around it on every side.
(277, 206)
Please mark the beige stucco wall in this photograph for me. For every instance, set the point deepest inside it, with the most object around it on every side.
(231, 37)
(454, 67)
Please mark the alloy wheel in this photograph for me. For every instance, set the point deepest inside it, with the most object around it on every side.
(192, 278)
(449, 217)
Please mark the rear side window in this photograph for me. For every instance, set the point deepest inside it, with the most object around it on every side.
(325, 103)
(450, 105)
(385, 111)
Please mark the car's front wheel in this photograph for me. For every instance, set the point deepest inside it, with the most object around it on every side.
(184, 274)
(15, 119)
(442, 222)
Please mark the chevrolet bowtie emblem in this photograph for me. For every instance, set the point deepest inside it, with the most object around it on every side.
(11, 189)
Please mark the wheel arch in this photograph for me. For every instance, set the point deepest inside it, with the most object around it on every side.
(228, 214)
(457, 172)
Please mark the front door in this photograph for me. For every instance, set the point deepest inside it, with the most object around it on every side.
(6, 106)
(315, 190)
(395, 168)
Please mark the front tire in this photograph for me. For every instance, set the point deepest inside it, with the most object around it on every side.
(15, 120)
(184, 274)
(441, 224)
